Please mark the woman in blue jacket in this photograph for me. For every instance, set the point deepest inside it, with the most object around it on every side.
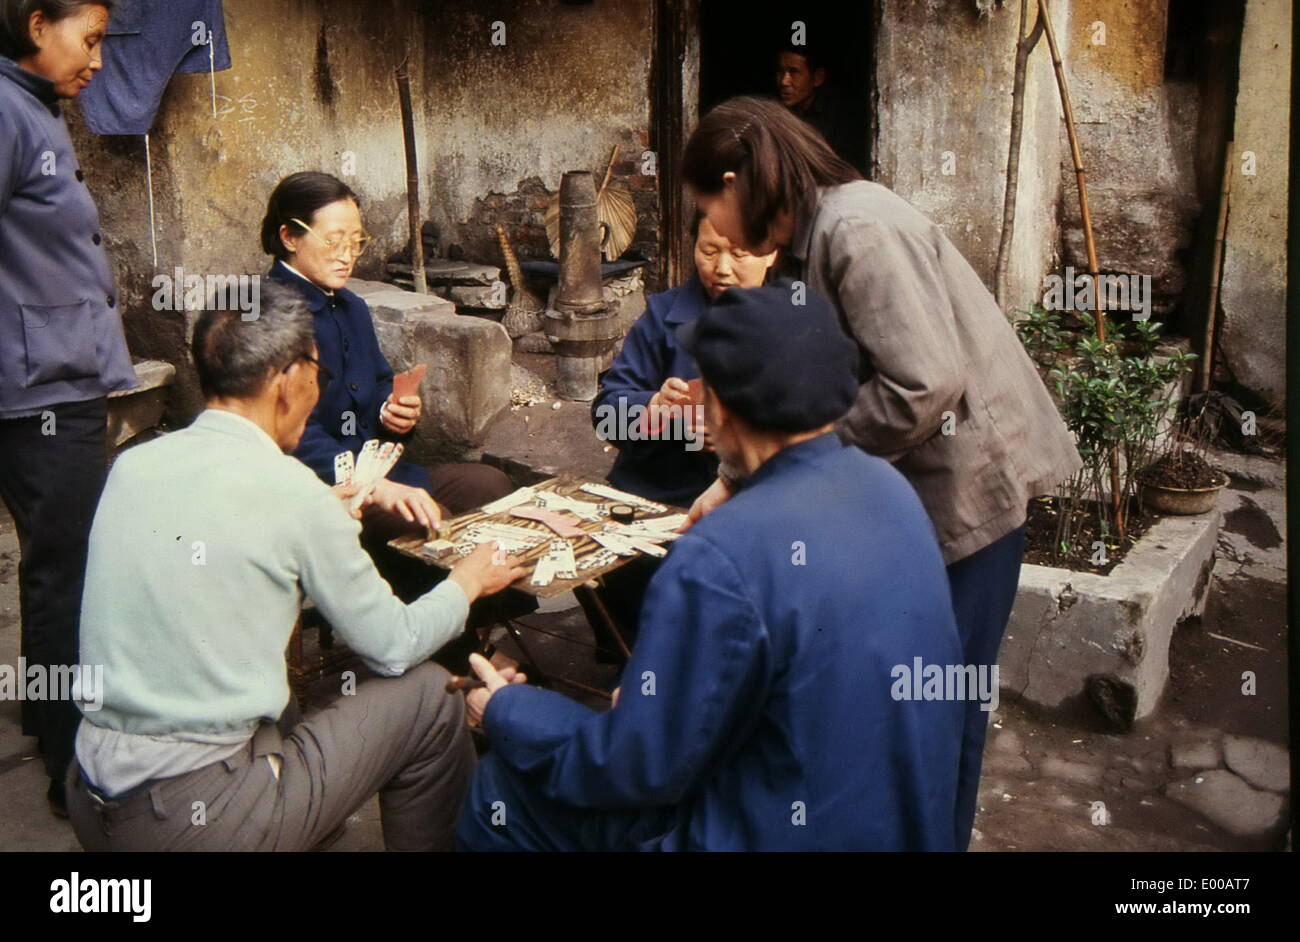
(62, 350)
(313, 229)
(652, 371)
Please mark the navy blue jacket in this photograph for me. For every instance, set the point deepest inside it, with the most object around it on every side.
(347, 414)
(662, 470)
(758, 695)
(60, 324)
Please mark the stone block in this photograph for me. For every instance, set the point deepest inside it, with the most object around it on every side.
(1226, 800)
(468, 380)
(1195, 756)
(1068, 626)
(1261, 763)
(133, 411)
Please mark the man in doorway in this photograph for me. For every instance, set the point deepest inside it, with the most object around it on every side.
(803, 87)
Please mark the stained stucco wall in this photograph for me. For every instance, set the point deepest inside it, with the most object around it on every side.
(945, 76)
(1137, 133)
(1253, 293)
(312, 88)
(570, 83)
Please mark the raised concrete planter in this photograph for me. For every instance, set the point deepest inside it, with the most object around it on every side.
(1068, 626)
(468, 381)
(133, 411)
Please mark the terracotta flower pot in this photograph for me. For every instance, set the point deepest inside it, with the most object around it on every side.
(1182, 500)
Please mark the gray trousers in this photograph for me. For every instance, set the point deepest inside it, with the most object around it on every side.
(403, 737)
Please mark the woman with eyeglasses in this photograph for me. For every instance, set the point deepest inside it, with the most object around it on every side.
(314, 231)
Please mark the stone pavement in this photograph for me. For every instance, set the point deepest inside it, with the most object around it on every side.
(1206, 772)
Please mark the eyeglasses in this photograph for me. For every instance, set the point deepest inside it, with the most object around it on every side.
(323, 373)
(353, 249)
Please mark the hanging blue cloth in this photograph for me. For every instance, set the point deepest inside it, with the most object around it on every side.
(146, 43)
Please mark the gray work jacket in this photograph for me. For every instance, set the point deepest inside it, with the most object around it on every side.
(948, 393)
(61, 334)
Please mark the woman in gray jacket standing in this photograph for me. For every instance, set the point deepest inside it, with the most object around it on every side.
(61, 344)
(947, 392)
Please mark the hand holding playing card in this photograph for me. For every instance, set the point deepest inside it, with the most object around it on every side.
(402, 409)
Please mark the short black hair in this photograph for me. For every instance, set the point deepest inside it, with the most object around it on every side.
(235, 356)
(299, 196)
(810, 55)
(16, 15)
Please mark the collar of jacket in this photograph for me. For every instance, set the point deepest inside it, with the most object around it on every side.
(317, 300)
(689, 303)
(39, 87)
(802, 451)
(225, 422)
(804, 217)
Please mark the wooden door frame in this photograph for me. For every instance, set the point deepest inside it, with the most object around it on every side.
(674, 113)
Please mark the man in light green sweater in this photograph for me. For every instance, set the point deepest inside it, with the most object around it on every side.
(203, 548)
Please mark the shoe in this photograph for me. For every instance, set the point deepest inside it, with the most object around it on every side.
(57, 796)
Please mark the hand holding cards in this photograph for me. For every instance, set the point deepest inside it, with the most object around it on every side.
(401, 411)
(371, 466)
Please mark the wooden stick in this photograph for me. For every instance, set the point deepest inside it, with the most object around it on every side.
(1117, 499)
(1216, 271)
(1024, 46)
(412, 180)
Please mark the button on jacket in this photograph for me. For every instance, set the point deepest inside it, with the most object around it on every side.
(663, 469)
(347, 415)
(61, 336)
(759, 704)
(933, 343)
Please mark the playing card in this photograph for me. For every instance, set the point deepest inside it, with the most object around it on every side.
(408, 383)
(343, 468)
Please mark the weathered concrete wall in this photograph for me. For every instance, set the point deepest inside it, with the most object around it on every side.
(945, 77)
(1253, 294)
(1137, 133)
(312, 88)
(567, 84)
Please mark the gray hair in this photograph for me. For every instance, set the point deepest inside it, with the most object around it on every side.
(235, 357)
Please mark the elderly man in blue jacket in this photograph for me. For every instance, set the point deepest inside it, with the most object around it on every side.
(768, 703)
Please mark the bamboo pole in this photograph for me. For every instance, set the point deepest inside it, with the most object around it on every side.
(1216, 271)
(1117, 499)
(412, 180)
(1024, 46)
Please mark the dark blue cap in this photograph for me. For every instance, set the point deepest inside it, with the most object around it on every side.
(776, 363)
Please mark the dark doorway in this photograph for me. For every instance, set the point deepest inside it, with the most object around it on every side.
(739, 45)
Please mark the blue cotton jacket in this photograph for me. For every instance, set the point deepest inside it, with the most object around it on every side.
(662, 470)
(757, 704)
(61, 334)
(347, 414)
(146, 43)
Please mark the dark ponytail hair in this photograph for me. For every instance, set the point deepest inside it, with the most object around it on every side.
(777, 157)
(16, 17)
(298, 196)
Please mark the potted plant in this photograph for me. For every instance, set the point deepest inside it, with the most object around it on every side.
(1113, 395)
(1179, 479)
